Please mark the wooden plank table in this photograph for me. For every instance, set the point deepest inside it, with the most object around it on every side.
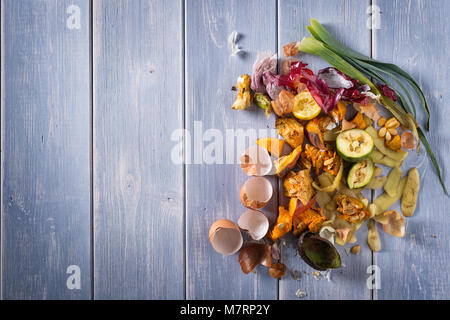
(109, 113)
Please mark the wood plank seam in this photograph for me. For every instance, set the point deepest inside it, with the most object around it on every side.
(91, 105)
(183, 88)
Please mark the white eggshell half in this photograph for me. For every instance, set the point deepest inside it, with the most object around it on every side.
(256, 161)
(225, 237)
(255, 223)
(256, 193)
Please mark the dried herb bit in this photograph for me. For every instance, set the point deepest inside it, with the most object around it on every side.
(277, 270)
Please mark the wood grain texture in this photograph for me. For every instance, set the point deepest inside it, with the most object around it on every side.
(45, 150)
(413, 35)
(138, 191)
(346, 20)
(212, 190)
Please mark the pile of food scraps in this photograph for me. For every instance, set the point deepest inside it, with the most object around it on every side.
(334, 145)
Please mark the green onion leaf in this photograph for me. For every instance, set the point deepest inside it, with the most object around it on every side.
(432, 157)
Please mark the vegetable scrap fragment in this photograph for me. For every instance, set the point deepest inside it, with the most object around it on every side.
(373, 239)
(332, 121)
(299, 185)
(351, 209)
(244, 98)
(410, 193)
(272, 145)
(277, 270)
(394, 224)
(291, 130)
(265, 62)
(322, 160)
(263, 102)
(286, 163)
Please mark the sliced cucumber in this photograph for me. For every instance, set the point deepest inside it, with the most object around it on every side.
(360, 174)
(354, 145)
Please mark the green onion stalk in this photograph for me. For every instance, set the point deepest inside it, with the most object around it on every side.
(357, 66)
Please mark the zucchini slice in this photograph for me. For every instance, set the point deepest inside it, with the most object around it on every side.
(354, 145)
(360, 174)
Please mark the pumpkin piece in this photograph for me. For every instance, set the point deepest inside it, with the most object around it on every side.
(395, 143)
(286, 163)
(312, 218)
(273, 145)
(291, 130)
(283, 225)
(359, 122)
(299, 185)
(339, 112)
(292, 206)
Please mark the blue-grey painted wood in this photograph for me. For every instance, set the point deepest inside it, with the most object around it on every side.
(45, 108)
(346, 20)
(413, 35)
(212, 190)
(138, 190)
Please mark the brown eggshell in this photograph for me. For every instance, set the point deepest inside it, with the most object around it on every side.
(256, 193)
(254, 254)
(256, 161)
(225, 237)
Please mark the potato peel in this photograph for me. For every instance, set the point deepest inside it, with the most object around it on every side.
(410, 193)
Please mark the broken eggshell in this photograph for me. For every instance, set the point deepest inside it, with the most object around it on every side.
(256, 193)
(256, 161)
(254, 254)
(318, 252)
(255, 223)
(225, 237)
